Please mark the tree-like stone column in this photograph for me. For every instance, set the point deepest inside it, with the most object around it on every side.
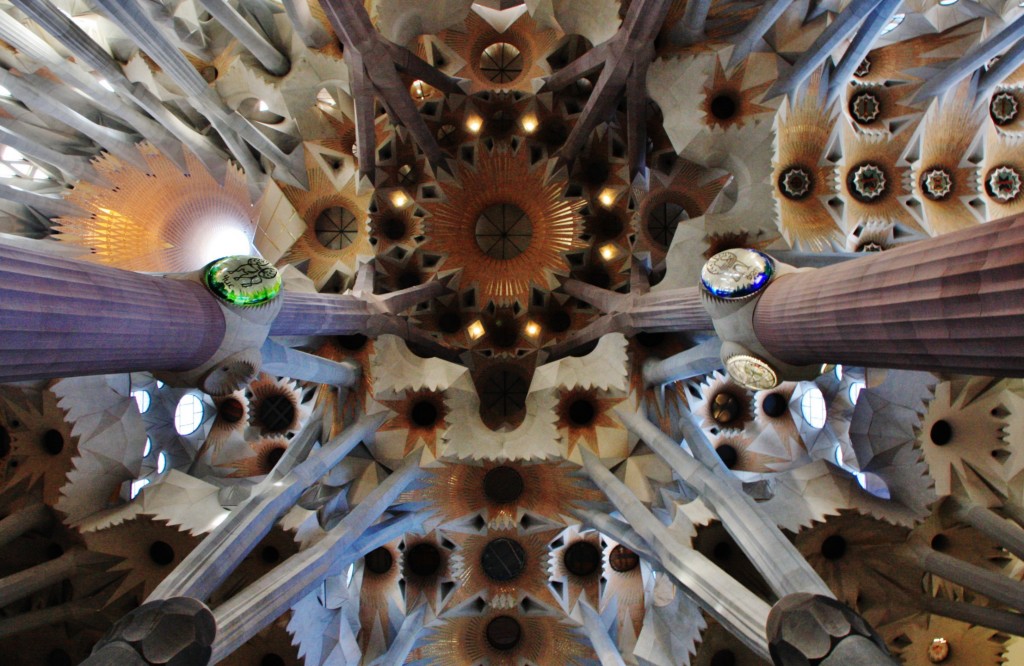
(724, 598)
(246, 613)
(953, 304)
(213, 560)
(775, 557)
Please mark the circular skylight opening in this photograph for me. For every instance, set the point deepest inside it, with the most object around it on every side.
(137, 487)
(161, 462)
(148, 447)
(503, 231)
(336, 228)
(812, 408)
(142, 400)
(874, 484)
(839, 372)
(501, 62)
(188, 415)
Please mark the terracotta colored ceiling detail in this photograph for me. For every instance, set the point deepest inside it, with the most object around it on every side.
(337, 231)
(152, 220)
(503, 177)
(499, 60)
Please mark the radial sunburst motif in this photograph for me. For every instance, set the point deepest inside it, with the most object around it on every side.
(161, 221)
(547, 490)
(507, 60)
(337, 231)
(802, 176)
(419, 415)
(503, 177)
(584, 416)
(462, 641)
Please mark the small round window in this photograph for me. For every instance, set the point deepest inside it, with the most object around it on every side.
(142, 400)
(188, 415)
(812, 407)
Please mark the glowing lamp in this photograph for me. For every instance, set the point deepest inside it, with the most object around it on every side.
(476, 330)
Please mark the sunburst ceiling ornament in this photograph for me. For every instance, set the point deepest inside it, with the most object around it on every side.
(503, 180)
(337, 229)
(163, 220)
(500, 60)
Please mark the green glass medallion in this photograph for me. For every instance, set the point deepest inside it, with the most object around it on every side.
(243, 280)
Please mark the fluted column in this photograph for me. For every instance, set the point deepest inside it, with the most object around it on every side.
(950, 304)
(997, 587)
(775, 557)
(312, 34)
(986, 616)
(405, 639)
(1005, 533)
(31, 580)
(605, 648)
(747, 40)
(62, 318)
(738, 609)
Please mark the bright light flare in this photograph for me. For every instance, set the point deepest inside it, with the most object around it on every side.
(529, 123)
(224, 241)
(532, 329)
(607, 198)
(474, 124)
(399, 199)
(608, 252)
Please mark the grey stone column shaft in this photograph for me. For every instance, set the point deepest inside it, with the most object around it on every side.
(317, 314)
(71, 611)
(1008, 535)
(32, 517)
(286, 362)
(607, 652)
(268, 55)
(985, 616)
(997, 587)
(20, 585)
(699, 360)
(718, 593)
(770, 12)
(405, 639)
(311, 33)
(64, 318)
